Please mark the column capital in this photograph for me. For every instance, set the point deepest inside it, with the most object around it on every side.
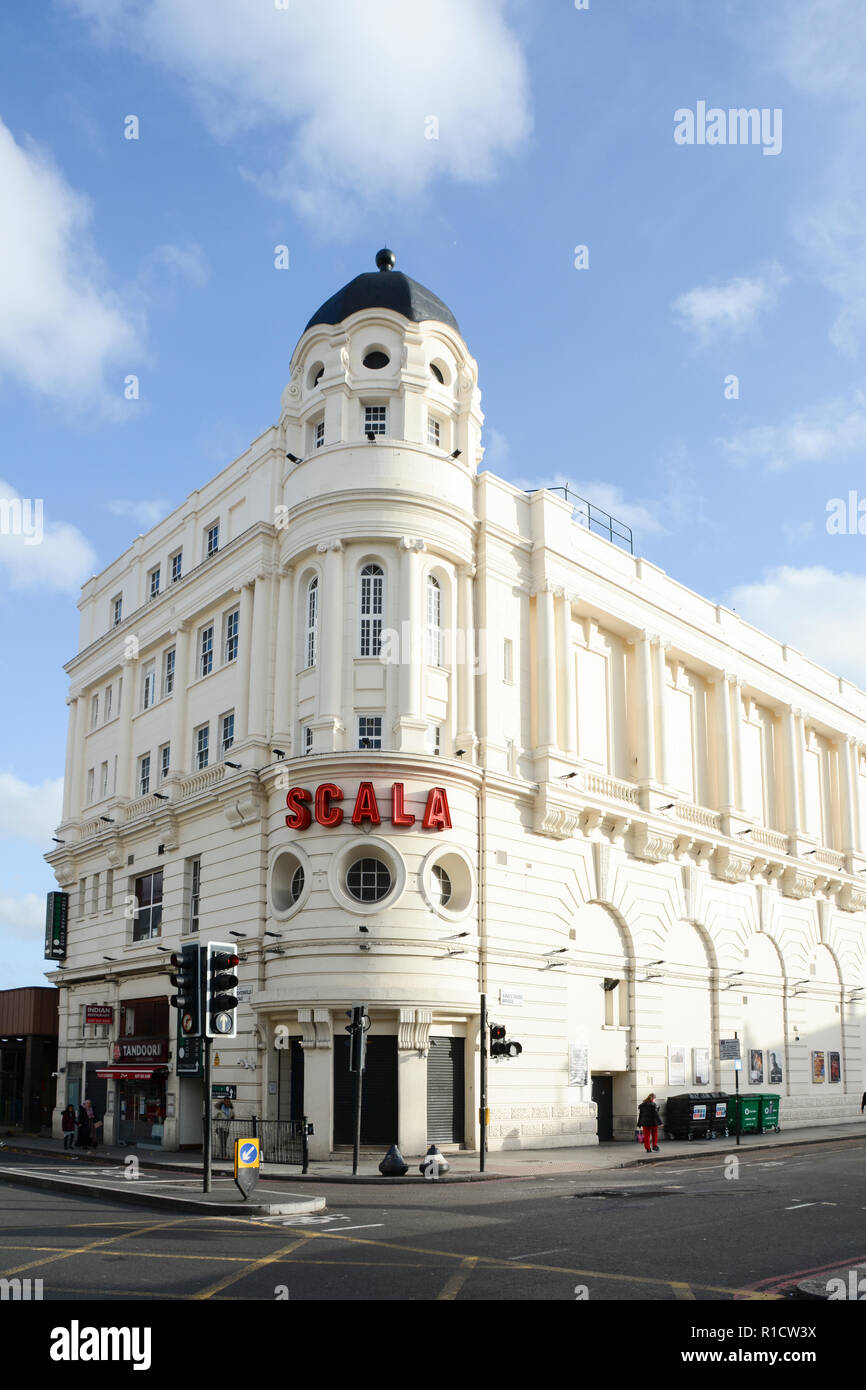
(178, 629)
(467, 571)
(412, 543)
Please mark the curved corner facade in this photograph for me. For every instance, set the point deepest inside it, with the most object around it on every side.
(415, 736)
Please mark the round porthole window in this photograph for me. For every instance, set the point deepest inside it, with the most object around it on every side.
(368, 880)
(288, 882)
(315, 374)
(448, 882)
(376, 360)
(440, 886)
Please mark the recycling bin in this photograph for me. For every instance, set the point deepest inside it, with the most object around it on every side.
(687, 1116)
(718, 1113)
(749, 1110)
(769, 1112)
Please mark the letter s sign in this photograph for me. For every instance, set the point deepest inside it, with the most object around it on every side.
(299, 815)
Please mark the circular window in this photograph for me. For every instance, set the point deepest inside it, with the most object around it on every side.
(440, 886)
(368, 880)
(288, 882)
(315, 374)
(376, 360)
(448, 882)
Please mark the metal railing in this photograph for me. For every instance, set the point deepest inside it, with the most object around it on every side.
(597, 519)
(282, 1141)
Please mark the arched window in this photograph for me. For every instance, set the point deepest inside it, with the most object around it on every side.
(372, 608)
(434, 621)
(312, 621)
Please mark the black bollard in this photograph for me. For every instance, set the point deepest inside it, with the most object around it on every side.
(393, 1165)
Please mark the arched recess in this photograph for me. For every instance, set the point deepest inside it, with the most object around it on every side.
(818, 1006)
(762, 985)
(598, 1001)
(687, 1007)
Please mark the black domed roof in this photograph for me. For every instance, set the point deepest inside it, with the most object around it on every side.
(384, 288)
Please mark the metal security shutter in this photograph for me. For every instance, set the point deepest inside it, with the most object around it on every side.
(445, 1091)
(379, 1111)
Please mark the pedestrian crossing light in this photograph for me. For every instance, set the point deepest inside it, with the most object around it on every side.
(357, 1031)
(499, 1044)
(221, 1000)
(186, 965)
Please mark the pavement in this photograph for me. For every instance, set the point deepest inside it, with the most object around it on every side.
(463, 1165)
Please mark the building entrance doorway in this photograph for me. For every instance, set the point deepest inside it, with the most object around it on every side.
(602, 1095)
(379, 1094)
(290, 1082)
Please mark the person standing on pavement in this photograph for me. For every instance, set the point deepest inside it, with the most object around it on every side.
(67, 1124)
(82, 1139)
(649, 1120)
(863, 1103)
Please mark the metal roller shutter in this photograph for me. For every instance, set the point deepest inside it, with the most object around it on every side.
(445, 1098)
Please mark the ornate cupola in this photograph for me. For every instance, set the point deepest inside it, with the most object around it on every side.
(381, 369)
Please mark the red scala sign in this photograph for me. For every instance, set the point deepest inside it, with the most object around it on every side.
(327, 811)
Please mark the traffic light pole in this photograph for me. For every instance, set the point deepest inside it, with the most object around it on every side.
(483, 1082)
(206, 1121)
(356, 1140)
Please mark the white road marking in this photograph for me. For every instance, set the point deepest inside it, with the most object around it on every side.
(530, 1253)
(370, 1227)
(801, 1206)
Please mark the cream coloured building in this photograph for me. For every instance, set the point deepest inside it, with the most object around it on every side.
(645, 820)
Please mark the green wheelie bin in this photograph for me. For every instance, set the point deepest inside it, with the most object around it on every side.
(769, 1116)
(748, 1109)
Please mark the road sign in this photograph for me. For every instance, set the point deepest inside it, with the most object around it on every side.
(247, 1159)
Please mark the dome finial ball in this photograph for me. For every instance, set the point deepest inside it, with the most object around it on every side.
(385, 259)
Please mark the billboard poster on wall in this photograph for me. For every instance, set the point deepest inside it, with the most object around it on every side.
(775, 1065)
(817, 1066)
(756, 1066)
(701, 1065)
(835, 1067)
(676, 1064)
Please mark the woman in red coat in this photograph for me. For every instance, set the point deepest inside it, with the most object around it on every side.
(649, 1120)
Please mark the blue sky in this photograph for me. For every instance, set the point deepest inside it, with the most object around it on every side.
(309, 126)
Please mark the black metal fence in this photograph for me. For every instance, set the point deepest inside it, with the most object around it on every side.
(596, 519)
(281, 1141)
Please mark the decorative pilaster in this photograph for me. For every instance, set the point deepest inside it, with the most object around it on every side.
(545, 672)
(568, 709)
(410, 728)
(284, 657)
(464, 659)
(258, 668)
(661, 702)
(72, 740)
(329, 722)
(245, 647)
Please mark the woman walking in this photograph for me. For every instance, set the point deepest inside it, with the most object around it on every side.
(67, 1124)
(649, 1120)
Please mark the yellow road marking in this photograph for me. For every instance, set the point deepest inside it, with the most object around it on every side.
(682, 1291)
(80, 1250)
(250, 1268)
(456, 1282)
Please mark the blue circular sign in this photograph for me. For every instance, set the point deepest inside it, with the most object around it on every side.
(248, 1153)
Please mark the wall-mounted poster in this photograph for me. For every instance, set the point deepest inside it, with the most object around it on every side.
(817, 1066)
(756, 1066)
(578, 1064)
(835, 1067)
(701, 1065)
(676, 1065)
(775, 1076)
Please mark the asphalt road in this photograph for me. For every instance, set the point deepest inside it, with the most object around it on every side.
(679, 1232)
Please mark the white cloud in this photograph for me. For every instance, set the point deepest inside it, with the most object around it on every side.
(61, 328)
(30, 812)
(820, 47)
(341, 93)
(497, 450)
(833, 430)
(811, 610)
(188, 262)
(145, 513)
(36, 554)
(24, 916)
(733, 307)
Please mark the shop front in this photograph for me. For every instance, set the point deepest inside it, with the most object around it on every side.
(139, 1069)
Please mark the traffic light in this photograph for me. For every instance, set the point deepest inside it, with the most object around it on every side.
(186, 979)
(357, 1031)
(220, 987)
(499, 1044)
